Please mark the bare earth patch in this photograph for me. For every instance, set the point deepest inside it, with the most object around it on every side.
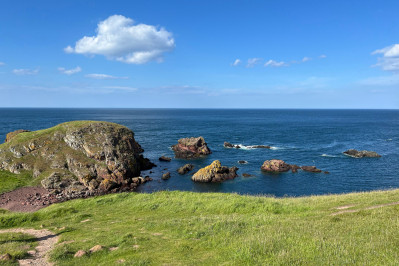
(26, 199)
(46, 242)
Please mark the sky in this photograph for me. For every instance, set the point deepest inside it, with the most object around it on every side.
(200, 54)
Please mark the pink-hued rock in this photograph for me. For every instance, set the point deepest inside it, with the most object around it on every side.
(188, 148)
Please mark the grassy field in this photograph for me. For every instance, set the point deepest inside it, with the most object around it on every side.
(181, 228)
(10, 181)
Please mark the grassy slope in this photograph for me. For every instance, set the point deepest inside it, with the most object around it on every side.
(213, 228)
(17, 245)
(10, 181)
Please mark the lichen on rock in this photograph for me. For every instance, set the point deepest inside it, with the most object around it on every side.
(215, 172)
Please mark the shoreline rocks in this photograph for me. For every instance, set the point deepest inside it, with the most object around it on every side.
(165, 159)
(166, 176)
(189, 148)
(361, 154)
(215, 172)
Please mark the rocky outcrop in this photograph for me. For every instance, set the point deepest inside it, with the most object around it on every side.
(165, 159)
(166, 176)
(361, 154)
(10, 135)
(77, 158)
(279, 166)
(189, 148)
(185, 169)
(215, 173)
(229, 145)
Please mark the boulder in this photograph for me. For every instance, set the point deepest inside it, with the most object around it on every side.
(96, 248)
(215, 172)
(79, 253)
(312, 169)
(361, 154)
(189, 148)
(242, 162)
(11, 135)
(165, 159)
(228, 145)
(275, 166)
(77, 156)
(166, 176)
(185, 169)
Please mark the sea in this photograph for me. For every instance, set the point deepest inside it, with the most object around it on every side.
(302, 137)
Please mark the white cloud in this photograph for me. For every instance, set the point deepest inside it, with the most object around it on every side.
(273, 63)
(390, 58)
(253, 61)
(237, 62)
(390, 51)
(69, 71)
(25, 71)
(118, 39)
(2, 63)
(103, 76)
(305, 59)
(121, 88)
(322, 56)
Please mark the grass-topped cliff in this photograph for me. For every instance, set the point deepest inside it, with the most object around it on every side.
(183, 228)
(91, 155)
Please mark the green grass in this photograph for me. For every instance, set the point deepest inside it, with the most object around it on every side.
(17, 245)
(10, 181)
(213, 228)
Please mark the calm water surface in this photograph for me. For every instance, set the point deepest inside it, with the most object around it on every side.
(303, 137)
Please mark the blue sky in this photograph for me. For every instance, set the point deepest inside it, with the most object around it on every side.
(199, 54)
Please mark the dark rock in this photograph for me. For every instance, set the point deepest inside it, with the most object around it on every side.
(242, 162)
(215, 173)
(228, 145)
(312, 169)
(275, 166)
(326, 172)
(185, 169)
(189, 148)
(166, 176)
(10, 135)
(294, 168)
(361, 154)
(246, 175)
(165, 159)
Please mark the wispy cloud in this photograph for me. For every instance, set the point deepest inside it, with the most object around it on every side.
(2, 63)
(103, 76)
(273, 63)
(121, 88)
(390, 58)
(236, 62)
(253, 61)
(392, 80)
(119, 39)
(322, 56)
(305, 59)
(69, 71)
(25, 71)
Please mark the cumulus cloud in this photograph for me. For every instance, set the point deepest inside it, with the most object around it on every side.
(69, 71)
(237, 62)
(253, 61)
(103, 76)
(390, 58)
(273, 63)
(25, 71)
(119, 39)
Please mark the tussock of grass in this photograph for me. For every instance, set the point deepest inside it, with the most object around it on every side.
(215, 228)
(17, 245)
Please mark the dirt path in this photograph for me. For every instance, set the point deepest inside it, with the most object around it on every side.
(46, 242)
(345, 209)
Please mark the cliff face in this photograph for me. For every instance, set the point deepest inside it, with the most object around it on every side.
(78, 156)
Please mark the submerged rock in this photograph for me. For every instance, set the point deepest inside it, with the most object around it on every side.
(242, 162)
(215, 172)
(312, 169)
(260, 147)
(246, 175)
(361, 154)
(229, 145)
(185, 169)
(166, 176)
(165, 159)
(189, 148)
(77, 157)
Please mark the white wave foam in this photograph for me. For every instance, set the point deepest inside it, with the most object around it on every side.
(276, 148)
(328, 155)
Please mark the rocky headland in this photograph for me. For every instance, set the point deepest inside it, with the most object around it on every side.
(77, 159)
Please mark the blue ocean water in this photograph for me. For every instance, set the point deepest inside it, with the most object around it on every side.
(302, 137)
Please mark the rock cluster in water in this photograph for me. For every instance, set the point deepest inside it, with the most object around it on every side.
(361, 154)
(229, 145)
(215, 172)
(279, 166)
(189, 148)
(77, 158)
(185, 169)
